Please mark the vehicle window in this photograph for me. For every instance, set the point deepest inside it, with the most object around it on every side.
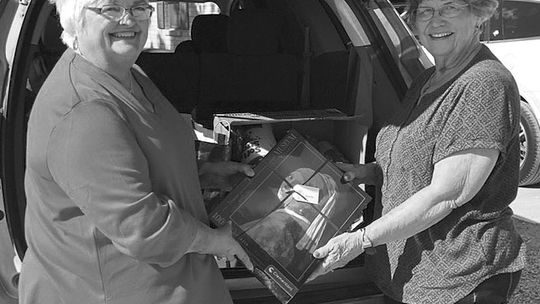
(3, 33)
(7, 13)
(349, 21)
(520, 19)
(171, 22)
(406, 51)
(3, 4)
(493, 30)
(401, 7)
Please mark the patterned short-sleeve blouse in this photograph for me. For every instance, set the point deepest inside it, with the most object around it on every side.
(479, 108)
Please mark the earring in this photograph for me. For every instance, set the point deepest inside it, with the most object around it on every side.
(75, 44)
(478, 28)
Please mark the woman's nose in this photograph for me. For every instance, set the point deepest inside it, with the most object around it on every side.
(127, 18)
(437, 20)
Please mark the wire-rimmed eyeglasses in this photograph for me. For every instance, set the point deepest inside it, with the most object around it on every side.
(116, 12)
(448, 11)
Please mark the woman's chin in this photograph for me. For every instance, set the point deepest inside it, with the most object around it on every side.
(125, 51)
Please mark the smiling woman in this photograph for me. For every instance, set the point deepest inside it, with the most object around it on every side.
(449, 166)
(114, 208)
(450, 31)
(116, 35)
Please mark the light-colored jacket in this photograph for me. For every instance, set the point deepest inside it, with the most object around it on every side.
(113, 195)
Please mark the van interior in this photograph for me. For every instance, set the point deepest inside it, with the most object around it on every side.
(258, 56)
(253, 56)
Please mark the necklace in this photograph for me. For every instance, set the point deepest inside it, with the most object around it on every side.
(131, 85)
(427, 85)
(425, 88)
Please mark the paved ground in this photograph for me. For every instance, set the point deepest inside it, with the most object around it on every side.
(528, 290)
(526, 206)
(527, 213)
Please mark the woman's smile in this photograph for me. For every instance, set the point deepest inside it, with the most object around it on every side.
(440, 35)
(124, 35)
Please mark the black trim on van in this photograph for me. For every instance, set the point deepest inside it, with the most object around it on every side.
(13, 152)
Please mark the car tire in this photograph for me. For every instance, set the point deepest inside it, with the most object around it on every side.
(529, 142)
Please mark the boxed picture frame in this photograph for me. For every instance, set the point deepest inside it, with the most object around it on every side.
(294, 204)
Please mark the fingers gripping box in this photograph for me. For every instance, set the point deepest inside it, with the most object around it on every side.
(293, 205)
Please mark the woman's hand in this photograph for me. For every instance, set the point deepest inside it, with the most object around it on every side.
(223, 175)
(224, 245)
(219, 242)
(369, 174)
(339, 251)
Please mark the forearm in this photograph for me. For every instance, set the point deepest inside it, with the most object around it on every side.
(158, 232)
(416, 214)
(455, 181)
(203, 240)
(223, 175)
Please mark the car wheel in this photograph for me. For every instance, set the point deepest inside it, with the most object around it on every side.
(529, 143)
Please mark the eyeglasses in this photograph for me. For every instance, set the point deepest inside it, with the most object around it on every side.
(116, 13)
(448, 11)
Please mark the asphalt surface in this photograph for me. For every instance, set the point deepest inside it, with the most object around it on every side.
(527, 220)
(526, 206)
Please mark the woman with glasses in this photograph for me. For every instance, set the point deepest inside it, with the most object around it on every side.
(114, 208)
(448, 165)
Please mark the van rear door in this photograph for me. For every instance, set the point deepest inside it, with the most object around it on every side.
(11, 20)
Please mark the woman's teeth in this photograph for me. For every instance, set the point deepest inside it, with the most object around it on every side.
(440, 35)
(123, 35)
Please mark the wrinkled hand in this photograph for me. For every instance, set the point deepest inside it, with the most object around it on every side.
(224, 245)
(370, 173)
(351, 171)
(223, 175)
(339, 251)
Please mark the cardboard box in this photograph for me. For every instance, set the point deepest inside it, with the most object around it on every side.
(347, 133)
(328, 128)
(293, 205)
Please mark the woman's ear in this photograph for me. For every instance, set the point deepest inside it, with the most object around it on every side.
(478, 25)
(480, 21)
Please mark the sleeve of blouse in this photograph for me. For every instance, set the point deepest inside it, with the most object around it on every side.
(485, 115)
(94, 157)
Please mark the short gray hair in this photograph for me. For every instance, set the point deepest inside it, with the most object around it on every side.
(72, 19)
(483, 9)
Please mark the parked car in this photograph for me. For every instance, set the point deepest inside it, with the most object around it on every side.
(513, 35)
(239, 55)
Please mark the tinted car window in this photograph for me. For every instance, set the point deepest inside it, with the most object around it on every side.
(494, 31)
(409, 57)
(171, 22)
(520, 19)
